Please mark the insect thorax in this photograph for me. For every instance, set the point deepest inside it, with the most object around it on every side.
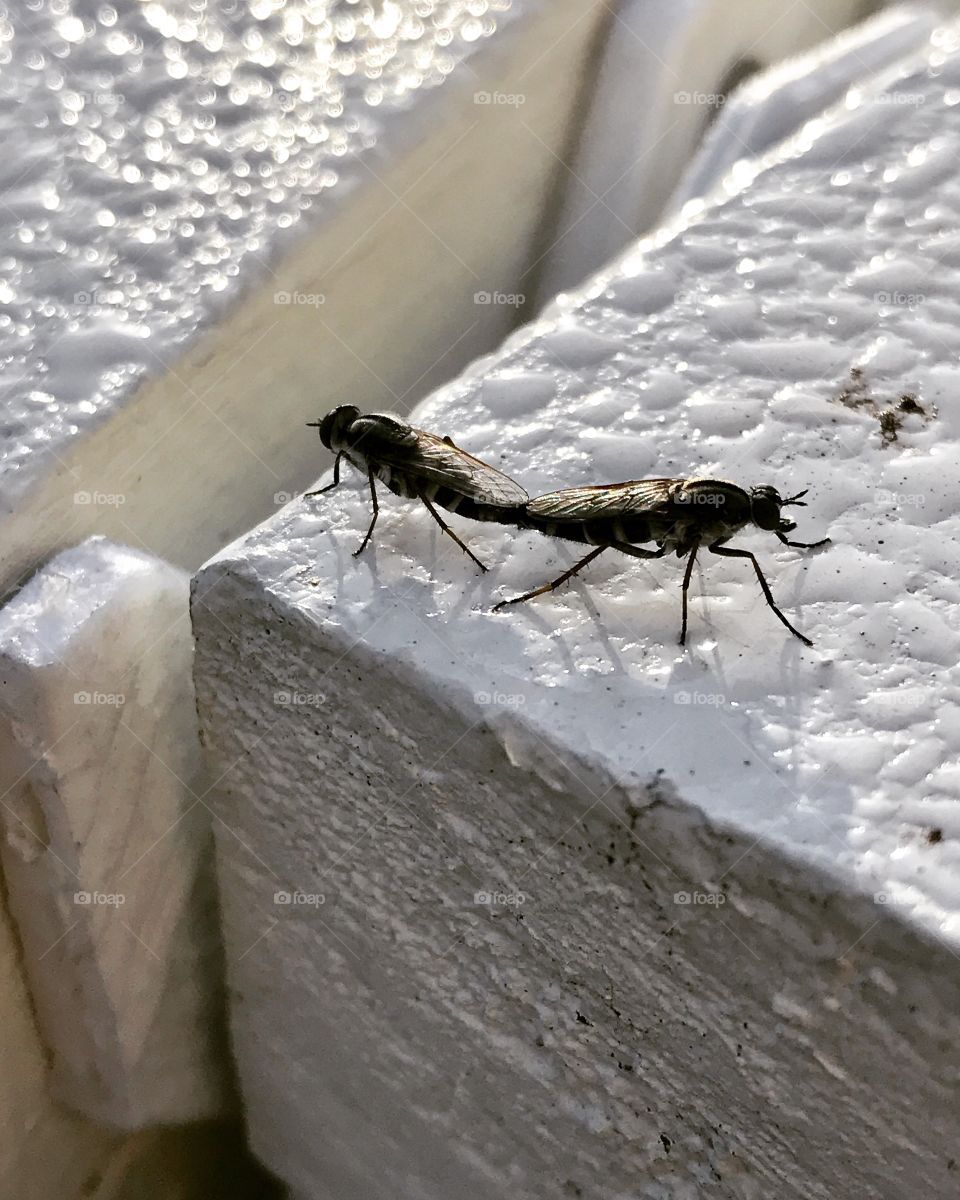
(362, 441)
(366, 433)
(705, 509)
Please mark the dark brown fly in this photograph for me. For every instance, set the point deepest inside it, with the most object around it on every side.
(418, 466)
(675, 514)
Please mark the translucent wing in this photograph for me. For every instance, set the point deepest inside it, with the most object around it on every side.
(606, 500)
(440, 461)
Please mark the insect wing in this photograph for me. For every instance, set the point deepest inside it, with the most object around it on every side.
(637, 497)
(440, 461)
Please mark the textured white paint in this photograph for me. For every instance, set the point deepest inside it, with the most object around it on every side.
(286, 96)
(389, 744)
(663, 67)
(215, 227)
(45, 1149)
(774, 104)
(105, 843)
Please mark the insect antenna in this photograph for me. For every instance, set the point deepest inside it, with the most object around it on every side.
(796, 499)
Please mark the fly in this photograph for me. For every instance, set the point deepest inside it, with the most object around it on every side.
(674, 514)
(418, 466)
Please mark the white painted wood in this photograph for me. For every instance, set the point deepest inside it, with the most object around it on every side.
(664, 73)
(106, 838)
(775, 103)
(264, 211)
(45, 1149)
(539, 905)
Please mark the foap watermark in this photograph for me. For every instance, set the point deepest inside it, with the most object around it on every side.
(900, 99)
(504, 699)
(104, 99)
(106, 899)
(500, 899)
(901, 499)
(900, 299)
(701, 99)
(290, 698)
(500, 299)
(281, 498)
(299, 899)
(109, 299)
(100, 699)
(107, 499)
(75, 101)
(500, 99)
(710, 699)
(708, 498)
(895, 700)
(708, 899)
(306, 299)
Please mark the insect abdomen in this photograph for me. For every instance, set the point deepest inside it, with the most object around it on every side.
(477, 510)
(399, 482)
(603, 531)
(446, 497)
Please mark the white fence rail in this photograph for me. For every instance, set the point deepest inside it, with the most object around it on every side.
(533, 902)
(373, 206)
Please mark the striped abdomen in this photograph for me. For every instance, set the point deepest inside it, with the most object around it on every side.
(411, 487)
(600, 531)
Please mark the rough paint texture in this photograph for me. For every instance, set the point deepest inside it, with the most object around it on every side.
(723, 958)
(106, 843)
(165, 152)
(773, 104)
(402, 1038)
(666, 74)
(218, 222)
(45, 1145)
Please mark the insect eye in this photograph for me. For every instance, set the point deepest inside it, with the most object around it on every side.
(336, 423)
(766, 513)
(326, 428)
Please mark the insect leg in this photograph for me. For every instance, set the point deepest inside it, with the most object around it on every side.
(730, 552)
(554, 584)
(685, 588)
(802, 545)
(376, 511)
(446, 529)
(336, 478)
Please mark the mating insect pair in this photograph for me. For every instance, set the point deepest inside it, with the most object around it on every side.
(675, 514)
